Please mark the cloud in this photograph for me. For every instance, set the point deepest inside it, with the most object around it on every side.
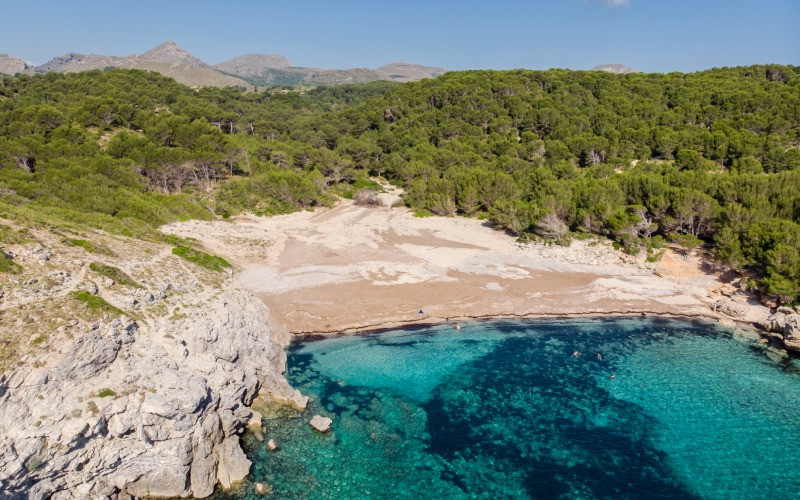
(616, 3)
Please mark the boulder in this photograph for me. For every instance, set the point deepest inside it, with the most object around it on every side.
(732, 308)
(322, 424)
(262, 489)
(775, 323)
(272, 445)
(791, 327)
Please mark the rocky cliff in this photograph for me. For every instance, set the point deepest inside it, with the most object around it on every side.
(133, 381)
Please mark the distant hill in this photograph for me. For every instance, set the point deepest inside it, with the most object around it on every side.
(407, 72)
(11, 65)
(247, 70)
(617, 68)
(169, 59)
(253, 65)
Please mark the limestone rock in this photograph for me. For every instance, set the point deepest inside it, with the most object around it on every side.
(233, 464)
(732, 308)
(262, 489)
(272, 445)
(784, 325)
(322, 424)
(169, 419)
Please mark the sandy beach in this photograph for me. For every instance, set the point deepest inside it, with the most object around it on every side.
(351, 268)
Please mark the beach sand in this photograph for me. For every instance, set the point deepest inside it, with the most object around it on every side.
(350, 268)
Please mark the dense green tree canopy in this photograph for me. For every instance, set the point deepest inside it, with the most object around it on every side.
(712, 156)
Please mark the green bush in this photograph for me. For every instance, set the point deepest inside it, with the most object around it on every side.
(95, 303)
(201, 258)
(9, 266)
(115, 273)
(89, 246)
(106, 392)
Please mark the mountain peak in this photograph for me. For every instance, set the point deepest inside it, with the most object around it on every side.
(171, 53)
(617, 68)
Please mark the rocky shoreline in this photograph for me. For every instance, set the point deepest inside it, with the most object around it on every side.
(145, 385)
(148, 402)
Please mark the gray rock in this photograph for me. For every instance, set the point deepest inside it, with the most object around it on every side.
(233, 464)
(170, 421)
(791, 329)
(775, 323)
(732, 308)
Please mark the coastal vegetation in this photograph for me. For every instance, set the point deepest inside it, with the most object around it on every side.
(705, 158)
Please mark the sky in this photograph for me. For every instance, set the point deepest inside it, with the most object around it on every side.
(649, 35)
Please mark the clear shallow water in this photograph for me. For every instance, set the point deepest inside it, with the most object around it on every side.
(503, 410)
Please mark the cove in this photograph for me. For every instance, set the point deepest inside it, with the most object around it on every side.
(503, 409)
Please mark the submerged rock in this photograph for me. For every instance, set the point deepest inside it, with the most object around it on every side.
(262, 489)
(272, 445)
(322, 424)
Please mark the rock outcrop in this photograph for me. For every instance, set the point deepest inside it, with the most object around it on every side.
(784, 325)
(141, 404)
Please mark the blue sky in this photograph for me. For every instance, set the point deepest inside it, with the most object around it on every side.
(650, 35)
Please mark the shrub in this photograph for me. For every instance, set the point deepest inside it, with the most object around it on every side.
(367, 197)
(89, 246)
(201, 258)
(95, 303)
(9, 266)
(105, 392)
(34, 464)
(116, 274)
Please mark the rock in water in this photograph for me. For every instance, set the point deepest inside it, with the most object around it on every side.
(272, 445)
(322, 424)
(262, 489)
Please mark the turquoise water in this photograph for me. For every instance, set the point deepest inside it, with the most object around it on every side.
(504, 410)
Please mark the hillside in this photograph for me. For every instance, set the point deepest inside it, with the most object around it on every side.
(617, 68)
(253, 65)
(407, 72)
(710, 156)
(11, 65)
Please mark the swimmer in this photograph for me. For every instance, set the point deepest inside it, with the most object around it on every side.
(576, 354)
(458, 327)
(599, 357)
(613, 376)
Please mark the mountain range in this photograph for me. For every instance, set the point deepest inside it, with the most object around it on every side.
(248, 70)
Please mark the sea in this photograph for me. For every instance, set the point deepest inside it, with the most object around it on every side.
(625, 407)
